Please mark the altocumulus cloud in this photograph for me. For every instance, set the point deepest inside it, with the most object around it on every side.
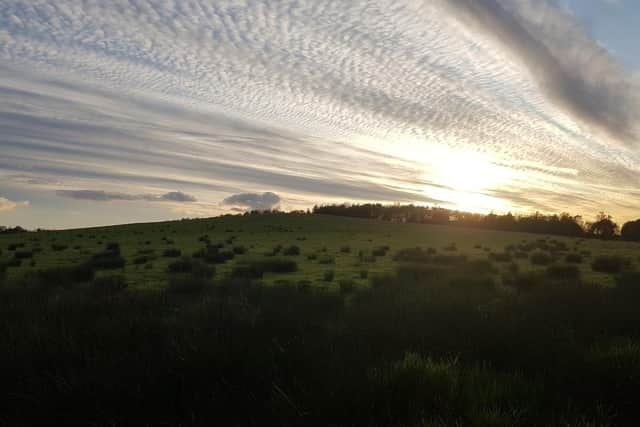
(106, 196)
(253, 201)
(325, 101)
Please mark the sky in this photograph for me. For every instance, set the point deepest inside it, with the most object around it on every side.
(143, 110)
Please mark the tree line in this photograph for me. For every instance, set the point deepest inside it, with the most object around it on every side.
(564, 224)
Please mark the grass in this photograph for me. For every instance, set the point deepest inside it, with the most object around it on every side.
(312, 320)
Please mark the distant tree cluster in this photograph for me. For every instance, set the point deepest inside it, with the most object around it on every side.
(11, 230)
(563, 224)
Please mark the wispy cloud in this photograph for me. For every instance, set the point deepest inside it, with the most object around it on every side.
(316, 101)
(573, 70)
(105, 196)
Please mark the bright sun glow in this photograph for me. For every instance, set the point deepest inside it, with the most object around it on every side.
(466, 179)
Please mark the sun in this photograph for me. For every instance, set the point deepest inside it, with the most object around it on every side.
(465, 180)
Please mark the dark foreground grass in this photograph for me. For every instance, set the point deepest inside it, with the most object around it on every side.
(438, 342)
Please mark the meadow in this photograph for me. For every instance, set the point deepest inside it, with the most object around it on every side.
(293, 319)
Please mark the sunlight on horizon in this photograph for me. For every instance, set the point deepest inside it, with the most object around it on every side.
(460, 179)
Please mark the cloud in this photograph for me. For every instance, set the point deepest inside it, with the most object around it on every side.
(7, 205)
(316, 101)
(177, 196)
(106, 196)
(253, 201)
(576, 73)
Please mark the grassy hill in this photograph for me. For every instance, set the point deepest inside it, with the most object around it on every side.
(344, 245)
(290, 319)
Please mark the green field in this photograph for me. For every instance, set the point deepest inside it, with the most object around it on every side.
(322, 236)
(312, 320)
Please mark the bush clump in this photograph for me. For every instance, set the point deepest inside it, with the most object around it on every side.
(257, 268)
(573, 258)
(416, 254)
(23, 254)
(500, 256)
(325, 259)
(380, 251)
(213, 254)
(57, 247)
(191, 266)
(291, 251)
(540, 258)
(106, 260)
(328, 275)
(563, 272)
(171, 253)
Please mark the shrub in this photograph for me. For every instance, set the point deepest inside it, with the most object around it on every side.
(191, 266)
(14, 246)
(328, 275)
(239, 250)
(291, 251)
(106, 261)
(14, 262)
(58, 247)
(325, 259)
(380, 251)
(563, 272)
(255, 269)
(143, 259)
(171, 253)
(275, 251)
(23, 254)
(345, 249)
(213, 255)
(312, 257)
(364, 274)
(500, 256)
(573, 258)
(113, 247)
(610, 263)
(540, 258)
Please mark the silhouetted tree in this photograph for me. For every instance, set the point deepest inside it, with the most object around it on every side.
(631, 230)
(604, 227)
(563, 224)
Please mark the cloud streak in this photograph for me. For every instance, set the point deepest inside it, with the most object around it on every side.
(315, 101)
(105, 196)
(574, 71)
